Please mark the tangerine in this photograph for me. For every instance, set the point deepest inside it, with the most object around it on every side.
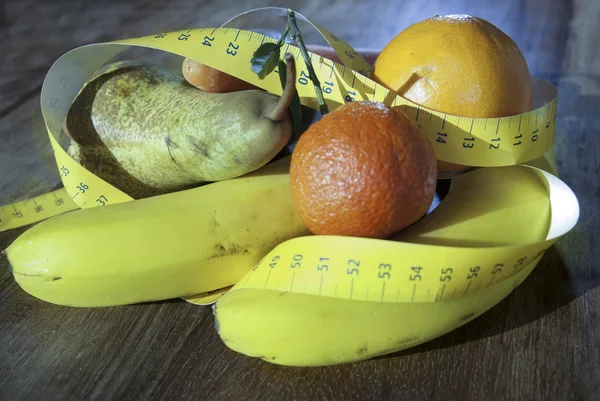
(364, 169)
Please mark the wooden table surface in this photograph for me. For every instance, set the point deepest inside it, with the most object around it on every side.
(541, 342)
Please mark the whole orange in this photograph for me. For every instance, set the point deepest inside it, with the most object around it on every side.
(364, 170)
(457, 64)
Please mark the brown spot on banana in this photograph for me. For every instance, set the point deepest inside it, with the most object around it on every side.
(235, 249)
(467, 317)
(362, 350)
(406, 340)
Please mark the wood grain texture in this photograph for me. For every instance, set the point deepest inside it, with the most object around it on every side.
(541, 343)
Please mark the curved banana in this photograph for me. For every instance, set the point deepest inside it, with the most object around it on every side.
(292, 310)
(157, 248)
(307, 330)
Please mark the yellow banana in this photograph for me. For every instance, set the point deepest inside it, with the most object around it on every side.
(157, 248)
(307, 330)
(302, 314)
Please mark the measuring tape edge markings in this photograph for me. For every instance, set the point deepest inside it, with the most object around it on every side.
(547, 105)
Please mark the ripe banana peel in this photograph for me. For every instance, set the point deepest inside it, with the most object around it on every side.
(164, 247)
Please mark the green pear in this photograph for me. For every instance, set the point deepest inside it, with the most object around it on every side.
(147, 131)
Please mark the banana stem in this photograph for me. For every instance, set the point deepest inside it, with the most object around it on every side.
(279, 112)
(311, 71)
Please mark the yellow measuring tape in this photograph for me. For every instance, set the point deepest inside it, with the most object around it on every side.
(410, 268)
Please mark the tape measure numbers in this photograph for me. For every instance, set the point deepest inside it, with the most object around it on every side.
(376, 271)
(36, 209)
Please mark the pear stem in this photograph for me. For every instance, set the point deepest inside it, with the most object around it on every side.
(279, 112)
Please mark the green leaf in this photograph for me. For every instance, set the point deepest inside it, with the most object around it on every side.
(295, 105)
(265, 59)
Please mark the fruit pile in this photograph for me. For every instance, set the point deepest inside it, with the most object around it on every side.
(206, 157)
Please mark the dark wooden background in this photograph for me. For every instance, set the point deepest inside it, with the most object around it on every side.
(542, 342)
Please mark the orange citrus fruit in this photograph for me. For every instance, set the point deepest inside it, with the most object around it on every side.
(457, 64)
(364, 170)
